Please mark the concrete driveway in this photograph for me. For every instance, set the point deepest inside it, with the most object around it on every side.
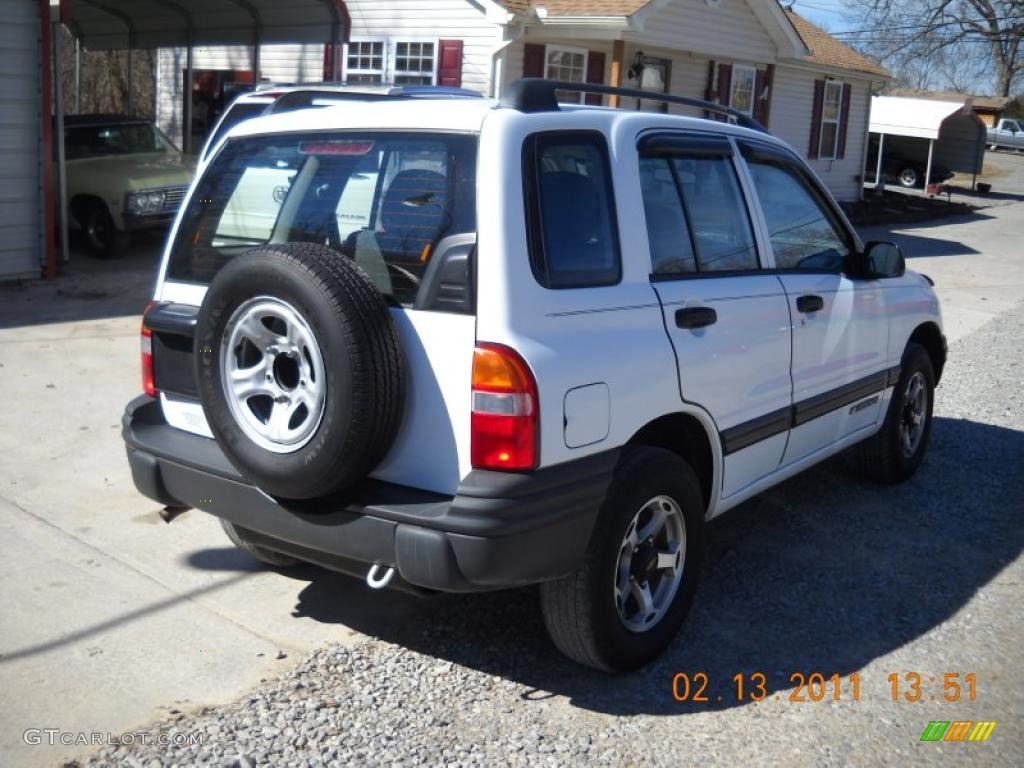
(112, 618)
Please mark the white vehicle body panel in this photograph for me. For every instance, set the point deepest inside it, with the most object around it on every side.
(609, 360)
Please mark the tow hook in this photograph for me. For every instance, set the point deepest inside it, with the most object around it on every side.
(376, 579)
(169, 513)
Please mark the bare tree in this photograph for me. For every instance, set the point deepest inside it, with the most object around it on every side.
(902, 30)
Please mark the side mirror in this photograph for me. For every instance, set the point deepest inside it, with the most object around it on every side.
(883, 259)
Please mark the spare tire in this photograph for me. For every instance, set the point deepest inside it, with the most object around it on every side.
(299, 369)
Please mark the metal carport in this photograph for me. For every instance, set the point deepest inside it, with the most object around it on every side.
(955, 134)
(144, 24)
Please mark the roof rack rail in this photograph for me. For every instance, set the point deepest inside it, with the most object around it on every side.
(535, 94)
(293, 100)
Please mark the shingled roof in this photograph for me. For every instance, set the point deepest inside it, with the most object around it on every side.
(829, 52)
(578, 7)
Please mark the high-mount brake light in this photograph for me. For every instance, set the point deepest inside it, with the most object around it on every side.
(503, 423)
(331, 147)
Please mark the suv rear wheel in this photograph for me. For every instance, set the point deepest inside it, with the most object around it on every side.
(625, 604)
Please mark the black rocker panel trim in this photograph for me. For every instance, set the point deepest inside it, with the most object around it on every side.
(754, 431)
(763, 427)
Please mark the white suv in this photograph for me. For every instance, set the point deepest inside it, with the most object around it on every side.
(560, 340)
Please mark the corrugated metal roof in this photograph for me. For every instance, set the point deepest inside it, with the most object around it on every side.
(118, 24)
(910, 117)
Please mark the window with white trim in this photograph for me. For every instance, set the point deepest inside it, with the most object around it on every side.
(561, 63)
(415, 63)
(364, 61)
(831, 109)
(741, 90)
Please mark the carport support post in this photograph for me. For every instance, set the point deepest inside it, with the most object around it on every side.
(879, 181)
(78, 76)
(186, 118)
(58, 129)
(928, 170)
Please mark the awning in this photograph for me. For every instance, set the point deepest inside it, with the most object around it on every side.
(120, 24)
(921, 118)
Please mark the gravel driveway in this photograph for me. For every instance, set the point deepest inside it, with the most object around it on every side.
(827, 573)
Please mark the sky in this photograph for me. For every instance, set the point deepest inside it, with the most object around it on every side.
(824, 13)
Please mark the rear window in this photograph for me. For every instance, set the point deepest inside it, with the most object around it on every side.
(238, 112)
(382, 199)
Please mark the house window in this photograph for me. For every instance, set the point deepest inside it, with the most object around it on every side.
(830, 117)
(414, 63)
(566, 64)
(364, 62)
(741, 91)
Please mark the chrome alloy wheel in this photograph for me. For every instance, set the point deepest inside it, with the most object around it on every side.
(272, 373)
(650, 565)
(914, 416)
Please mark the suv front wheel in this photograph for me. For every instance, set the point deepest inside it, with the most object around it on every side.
(895, 451)
(625, 604)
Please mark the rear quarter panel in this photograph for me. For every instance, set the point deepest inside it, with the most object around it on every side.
(571, 338)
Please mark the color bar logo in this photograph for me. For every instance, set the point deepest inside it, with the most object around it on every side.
(958, 730)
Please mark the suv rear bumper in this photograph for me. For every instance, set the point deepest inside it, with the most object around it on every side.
(500, 529)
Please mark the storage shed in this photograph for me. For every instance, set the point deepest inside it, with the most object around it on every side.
(948, 134)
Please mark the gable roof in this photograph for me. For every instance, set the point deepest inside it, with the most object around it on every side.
(824, 48)
(578, 7)
(829, 52)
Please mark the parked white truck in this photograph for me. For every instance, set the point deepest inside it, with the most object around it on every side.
(1006, 135)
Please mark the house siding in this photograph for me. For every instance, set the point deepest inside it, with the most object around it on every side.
(729, 33)
(730, 30)
(409, 19)
(791, 121)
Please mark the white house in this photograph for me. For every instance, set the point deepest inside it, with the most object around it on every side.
(805, 85)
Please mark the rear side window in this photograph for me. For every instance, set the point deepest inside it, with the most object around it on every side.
(384, 200)
(571, 220)
(697, 218)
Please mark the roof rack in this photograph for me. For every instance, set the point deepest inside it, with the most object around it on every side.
(535, 94)
(293, 100)
(307, 97)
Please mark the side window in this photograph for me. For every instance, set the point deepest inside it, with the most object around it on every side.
(803, 234)
(667, 231)
(697, 218)
(571, 219)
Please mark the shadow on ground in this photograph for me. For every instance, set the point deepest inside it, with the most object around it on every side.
(86, 288)
(824, 573)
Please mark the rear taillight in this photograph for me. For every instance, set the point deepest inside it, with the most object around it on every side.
(148, 382)
(503, 433)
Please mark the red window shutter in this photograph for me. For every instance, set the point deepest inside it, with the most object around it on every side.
(709, 89)
(533, 60)
(724, 83)
(334, 59)
(844, 117)
(449, 63)
(595, 74)
(763, 94)
(819, 103)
